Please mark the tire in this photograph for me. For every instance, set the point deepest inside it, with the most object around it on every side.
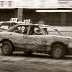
(58, 51)
(7, 48)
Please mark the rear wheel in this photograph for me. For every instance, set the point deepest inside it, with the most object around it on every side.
(7, 48)
(58, 51)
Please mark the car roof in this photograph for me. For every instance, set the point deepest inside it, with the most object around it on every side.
(19, 23)
(28, 24)
(41, 25)
(8, 22)
(23, 23)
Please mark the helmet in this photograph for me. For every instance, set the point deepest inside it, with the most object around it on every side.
(37, 30)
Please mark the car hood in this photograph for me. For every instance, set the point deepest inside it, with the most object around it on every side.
(59, 36)
(62, 36)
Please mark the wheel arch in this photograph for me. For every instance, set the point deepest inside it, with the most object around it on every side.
(64, 45)
(57, 42)
(4, 40)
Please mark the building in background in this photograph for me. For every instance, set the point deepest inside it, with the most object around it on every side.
(7, 9)
(51, 12)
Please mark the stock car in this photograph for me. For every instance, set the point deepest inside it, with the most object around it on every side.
(31, 38)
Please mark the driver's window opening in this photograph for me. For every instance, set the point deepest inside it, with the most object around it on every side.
(34, 30)
(21, 29)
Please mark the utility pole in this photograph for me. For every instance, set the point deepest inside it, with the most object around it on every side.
(63, 19)
(20, 14)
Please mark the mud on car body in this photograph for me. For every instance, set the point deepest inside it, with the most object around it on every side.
(34, 38)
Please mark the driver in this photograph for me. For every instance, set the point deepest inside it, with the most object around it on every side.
(37, 31)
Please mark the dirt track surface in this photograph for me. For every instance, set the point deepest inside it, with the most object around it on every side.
(18, 62)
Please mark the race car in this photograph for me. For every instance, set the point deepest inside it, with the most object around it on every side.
(31, 38)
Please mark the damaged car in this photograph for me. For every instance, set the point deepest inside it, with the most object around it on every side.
(31, 38)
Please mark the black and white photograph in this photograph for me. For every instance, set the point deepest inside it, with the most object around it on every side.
(35, 35)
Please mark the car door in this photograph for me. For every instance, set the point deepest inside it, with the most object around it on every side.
(35, 42)
(39, 42)
(18, 37)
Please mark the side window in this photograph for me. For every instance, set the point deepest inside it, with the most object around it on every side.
(34, 30)
(17, 29)
(21, 29)
(24, 29)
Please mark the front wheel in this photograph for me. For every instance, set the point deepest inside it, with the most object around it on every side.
(7, 48)
(58, 51)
